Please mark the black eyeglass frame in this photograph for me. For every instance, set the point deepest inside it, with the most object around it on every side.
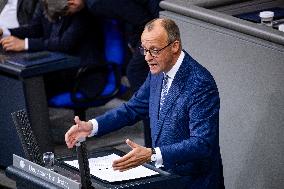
(153, 52)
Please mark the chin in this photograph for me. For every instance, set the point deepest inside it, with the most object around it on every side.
(155, 71)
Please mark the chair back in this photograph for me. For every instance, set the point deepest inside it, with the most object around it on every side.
(114, 45)
(29, 143)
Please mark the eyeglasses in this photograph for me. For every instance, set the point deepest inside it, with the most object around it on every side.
(153, 52)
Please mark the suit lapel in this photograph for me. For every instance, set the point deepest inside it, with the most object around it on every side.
(19, 4)
(156, 93)
(2, 4)
(173, 93)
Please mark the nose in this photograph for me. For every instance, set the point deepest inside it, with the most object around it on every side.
(148, 56)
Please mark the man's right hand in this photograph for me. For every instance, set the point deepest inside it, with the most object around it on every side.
(79, 130)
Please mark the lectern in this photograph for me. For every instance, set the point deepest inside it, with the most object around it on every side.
(30, 174)
(35, 176)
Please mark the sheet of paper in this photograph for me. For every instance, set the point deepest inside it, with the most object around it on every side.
(101, 167)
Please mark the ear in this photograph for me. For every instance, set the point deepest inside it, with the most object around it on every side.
(175, 46)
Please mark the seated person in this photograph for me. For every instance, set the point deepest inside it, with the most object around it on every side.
(54, 27)
(62, 34)
(14, 13)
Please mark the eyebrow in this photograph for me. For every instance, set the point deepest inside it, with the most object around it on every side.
(151, 47)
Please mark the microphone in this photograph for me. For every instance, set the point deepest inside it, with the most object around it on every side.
(84, 168)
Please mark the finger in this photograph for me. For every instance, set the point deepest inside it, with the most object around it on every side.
(67, 136)
(123, 159)
(7, 46)
(131, 144)
(127, 167)
(77, 120)
(68, 140)
(7, 43)
(72, 140)
(129, 162)
(72, 130)
(70, 134)
(11, 47)
(71, 143)
(7, 39)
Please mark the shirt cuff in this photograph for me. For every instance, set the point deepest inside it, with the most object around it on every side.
(6, 32)
(95, 127)
(159, 161)
(26, 44)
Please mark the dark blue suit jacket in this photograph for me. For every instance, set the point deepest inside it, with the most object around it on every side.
(187, 130)
(25, 10)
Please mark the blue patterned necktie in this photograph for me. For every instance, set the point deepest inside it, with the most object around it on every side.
(164, 90)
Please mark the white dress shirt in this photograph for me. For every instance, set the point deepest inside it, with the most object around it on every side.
(8, 16)
(171, 74)
(8, 19)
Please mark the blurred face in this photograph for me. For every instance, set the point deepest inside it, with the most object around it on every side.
(159, 53)
(75, 6)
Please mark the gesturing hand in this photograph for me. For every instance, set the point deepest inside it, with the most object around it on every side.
(80, 129)
(137, 156)
(12, 43)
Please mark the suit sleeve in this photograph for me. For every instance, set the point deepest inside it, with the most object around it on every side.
(25, 10)
(32, 30)
(203, 124)
(128, 113)
(66, 41)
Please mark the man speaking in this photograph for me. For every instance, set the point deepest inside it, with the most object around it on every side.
(182, 101)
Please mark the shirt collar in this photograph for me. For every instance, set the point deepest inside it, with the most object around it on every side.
(175, 68)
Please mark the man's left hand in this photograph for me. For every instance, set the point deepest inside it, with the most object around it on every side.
(137, 156)
(12, 43)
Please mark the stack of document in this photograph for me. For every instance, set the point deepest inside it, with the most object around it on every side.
(101, 167)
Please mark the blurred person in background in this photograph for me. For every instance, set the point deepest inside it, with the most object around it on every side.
(54, 27)
(15, 13)
(46, 31)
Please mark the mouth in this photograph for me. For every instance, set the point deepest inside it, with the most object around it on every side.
(152, 65)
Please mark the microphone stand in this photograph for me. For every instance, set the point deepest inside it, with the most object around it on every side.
(84, 168)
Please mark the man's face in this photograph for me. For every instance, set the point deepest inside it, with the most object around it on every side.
(156, 39)
(75, 6)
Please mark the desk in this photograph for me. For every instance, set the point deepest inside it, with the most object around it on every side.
(23, 88)
(27, 180)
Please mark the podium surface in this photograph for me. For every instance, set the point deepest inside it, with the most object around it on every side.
(26, 178)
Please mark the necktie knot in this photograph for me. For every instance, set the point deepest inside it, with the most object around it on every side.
(165, 80)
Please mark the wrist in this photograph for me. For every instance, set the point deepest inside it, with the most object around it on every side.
(153, 155)
(149, 152)
(90, 127)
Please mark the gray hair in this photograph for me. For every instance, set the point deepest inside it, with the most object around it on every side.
(169, 25)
